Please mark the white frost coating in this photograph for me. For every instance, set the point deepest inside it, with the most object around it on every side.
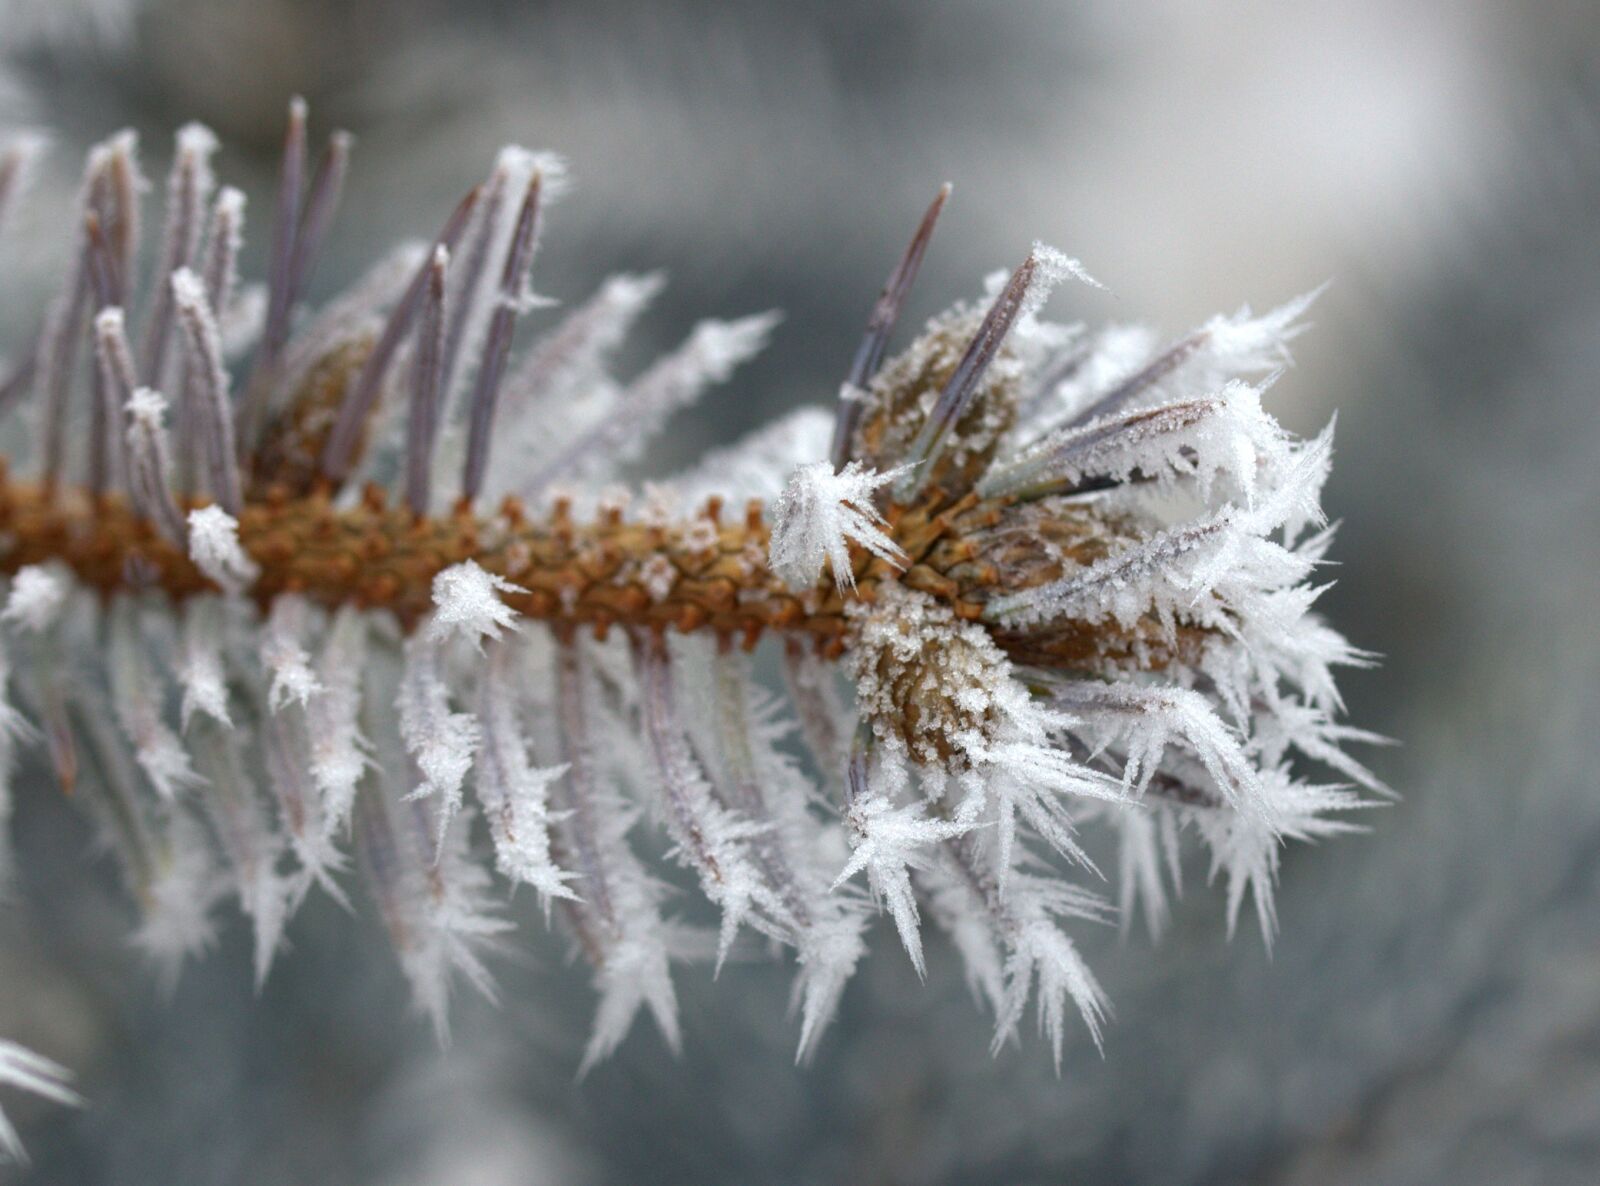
(1051, 267)
(177, 918)
(977, 728)
(338, 750)
(710, 840)
(1143, 721)
(441, 743)
(234, 309)
(201, 672)
(1217, 570)
(1244, 342)
(436, 901)
(1225, 348)
(1247, 846)
(573, 355)
(737, 730)
(889, 842)
(24, 1070)
(189, 292)
(816, 517)
(137, 694)
(196, 140)
(515, 793)
(1039, 951)
(1227, 434)
(467, 604)
(284, 654)
(149, 477)
(147, 407)
(36, 598)
(214, 548)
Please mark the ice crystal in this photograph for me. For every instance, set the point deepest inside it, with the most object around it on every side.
(24, 1070)
(1067, 575)
(467, 604)
(35, 600)
(819, 514)
(214, 547)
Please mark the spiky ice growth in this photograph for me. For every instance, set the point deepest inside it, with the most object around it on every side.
(330, 602)
(23, 1070)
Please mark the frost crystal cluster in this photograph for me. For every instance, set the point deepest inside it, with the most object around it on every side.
(350, 601)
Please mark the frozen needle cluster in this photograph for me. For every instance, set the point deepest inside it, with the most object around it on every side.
(306, 600)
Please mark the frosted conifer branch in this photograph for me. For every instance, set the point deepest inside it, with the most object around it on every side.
(1083, 598)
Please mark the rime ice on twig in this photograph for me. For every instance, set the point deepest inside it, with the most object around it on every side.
(1072, 587)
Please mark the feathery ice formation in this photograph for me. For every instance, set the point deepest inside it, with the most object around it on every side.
(284, 586)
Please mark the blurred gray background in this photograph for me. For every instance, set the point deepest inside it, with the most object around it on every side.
(1431, 1012)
